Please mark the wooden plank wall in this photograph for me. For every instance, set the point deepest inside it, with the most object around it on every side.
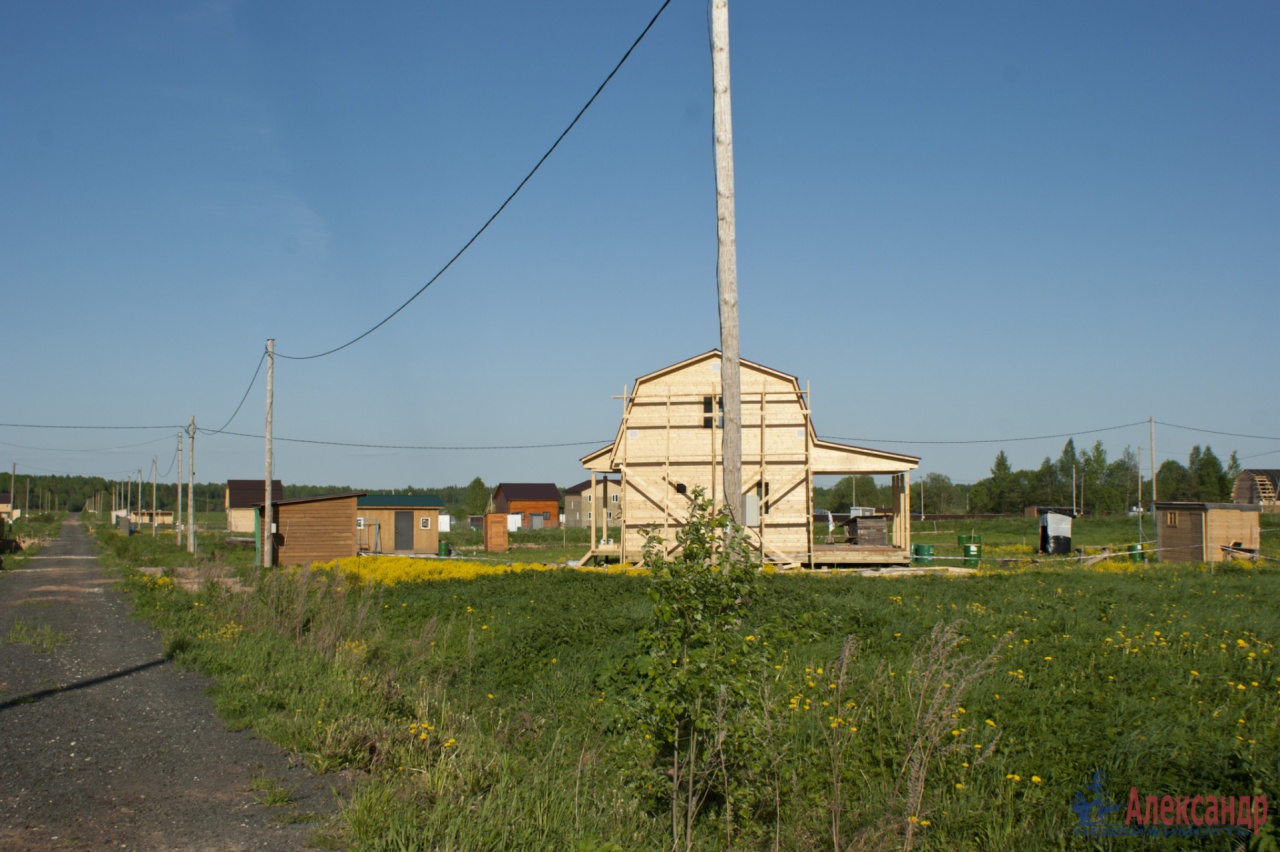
(666, 444)
(424, 541)
(315, 531)
(1229, 527)
(1178, 535)
(528, 507)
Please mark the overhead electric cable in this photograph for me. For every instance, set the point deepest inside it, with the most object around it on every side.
(243, 398)
(411, 446)
(1214, 432)
(996, 440)
(93, 450)
(172, 459)
(50, 426)
(502, 206)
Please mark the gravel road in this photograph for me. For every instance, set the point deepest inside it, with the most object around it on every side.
(105, 745)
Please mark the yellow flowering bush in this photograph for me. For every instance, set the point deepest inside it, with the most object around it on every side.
(390, 570)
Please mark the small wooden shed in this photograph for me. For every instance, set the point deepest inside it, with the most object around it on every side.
(1206, 532)
(398, 523)
(313, 529)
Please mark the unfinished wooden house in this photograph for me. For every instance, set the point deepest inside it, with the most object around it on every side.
(1206, 532)
(1257, 488)
(669, 444)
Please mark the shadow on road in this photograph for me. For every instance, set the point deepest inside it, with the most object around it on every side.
(33, 697)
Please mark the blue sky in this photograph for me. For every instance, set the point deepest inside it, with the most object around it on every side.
(955, 222)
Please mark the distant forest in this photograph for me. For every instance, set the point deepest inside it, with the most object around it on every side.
(1102, 487)
(74, 493)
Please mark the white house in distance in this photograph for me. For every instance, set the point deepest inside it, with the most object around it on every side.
(669, 444)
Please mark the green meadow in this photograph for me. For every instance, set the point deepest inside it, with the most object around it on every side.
(527, 711)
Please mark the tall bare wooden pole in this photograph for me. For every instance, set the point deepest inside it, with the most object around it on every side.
(154, 461)
(268, 516)
(1154, 493)
(177, 510)
(191, 487)
(727, 266)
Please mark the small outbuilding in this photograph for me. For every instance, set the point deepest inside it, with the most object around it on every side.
(538, 503)
(312, 529)
(1206, 532)
(398, 523)
(1257, 488)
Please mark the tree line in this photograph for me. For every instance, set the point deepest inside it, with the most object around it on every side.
(37, 493)
(1086, 479)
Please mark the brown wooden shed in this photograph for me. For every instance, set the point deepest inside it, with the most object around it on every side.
(1206, 532)
(314, 529)
(398, 523)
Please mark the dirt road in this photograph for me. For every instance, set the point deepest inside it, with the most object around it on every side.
(105, 745)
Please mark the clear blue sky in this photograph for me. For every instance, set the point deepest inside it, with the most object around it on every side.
(956, 221)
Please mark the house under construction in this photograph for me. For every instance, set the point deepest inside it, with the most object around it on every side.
(669, 444)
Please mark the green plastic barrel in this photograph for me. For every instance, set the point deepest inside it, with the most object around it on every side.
(444, 550)
(922, 553)
(969, 539)
(1136, 554)
(972, 553)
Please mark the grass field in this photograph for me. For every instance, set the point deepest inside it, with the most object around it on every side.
(495, 711)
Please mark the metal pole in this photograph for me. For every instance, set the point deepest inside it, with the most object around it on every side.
(153, 496)
(268, 515)
(727, 265)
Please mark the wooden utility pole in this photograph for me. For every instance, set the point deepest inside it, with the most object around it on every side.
(268, 516)
(1152, 423)
(727, 265)
(139, 498)
(191, 489)
(177, 509)
(13, 490)
(153, 496)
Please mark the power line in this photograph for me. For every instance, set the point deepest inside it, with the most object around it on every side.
(95, 450)
(996, 440)
(502, 206)
(1213, 432)
(410, 446)
(243, 398)
(49, 426)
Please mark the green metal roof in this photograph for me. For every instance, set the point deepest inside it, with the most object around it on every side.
(400, 501)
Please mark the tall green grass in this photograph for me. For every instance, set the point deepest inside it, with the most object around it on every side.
(487, 714)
